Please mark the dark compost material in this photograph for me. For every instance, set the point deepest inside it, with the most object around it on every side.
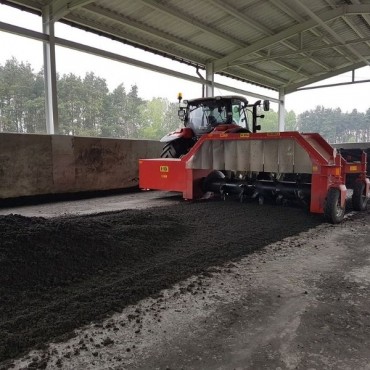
(59, 274)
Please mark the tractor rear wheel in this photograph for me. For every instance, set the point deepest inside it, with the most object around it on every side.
(359, 198)
(176, 148)
(333, 210)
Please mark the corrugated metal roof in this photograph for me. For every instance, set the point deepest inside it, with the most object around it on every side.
(279, 44)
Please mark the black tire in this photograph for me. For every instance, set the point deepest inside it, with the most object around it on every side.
(333, 211)
(359, 198)
(176, 148)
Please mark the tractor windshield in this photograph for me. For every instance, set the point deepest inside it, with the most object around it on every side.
(204, 115)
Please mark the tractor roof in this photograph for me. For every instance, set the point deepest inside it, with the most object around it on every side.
(224, 97)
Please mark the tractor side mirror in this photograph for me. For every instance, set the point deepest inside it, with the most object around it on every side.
(266, 105)
(181, 114)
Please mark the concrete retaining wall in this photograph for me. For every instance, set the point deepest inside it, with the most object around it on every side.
(50, 164)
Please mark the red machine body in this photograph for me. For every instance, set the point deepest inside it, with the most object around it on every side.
(262, 153)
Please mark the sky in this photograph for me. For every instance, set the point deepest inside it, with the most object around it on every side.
(152, 84)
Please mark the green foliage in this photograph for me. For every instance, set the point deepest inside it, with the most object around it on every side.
(87, 108)
(290, 121)
(270, 123)
(159, 117)
(336, 126)
(21, 98)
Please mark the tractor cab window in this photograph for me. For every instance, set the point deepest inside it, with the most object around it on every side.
(239, 113)
(205, 115)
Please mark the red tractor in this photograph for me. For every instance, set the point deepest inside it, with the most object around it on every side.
(227, 114)
(219, 152)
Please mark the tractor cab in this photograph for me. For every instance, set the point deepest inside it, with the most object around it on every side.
(204, 114)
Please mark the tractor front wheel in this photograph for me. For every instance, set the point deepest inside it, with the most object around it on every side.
(333, 210)
(359, 198)
(176, 148)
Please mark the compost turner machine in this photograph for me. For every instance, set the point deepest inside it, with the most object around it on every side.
(281, 167)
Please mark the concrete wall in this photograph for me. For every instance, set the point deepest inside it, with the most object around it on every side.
(48, 164)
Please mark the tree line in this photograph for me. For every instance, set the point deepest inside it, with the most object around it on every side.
(333, 124)
(87, 108)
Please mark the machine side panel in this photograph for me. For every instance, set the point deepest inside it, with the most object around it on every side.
(256, 155)
(302, 161)
(271, 155)
(243, 155)
(162, 174)
(324, 152)
(231, 154)
(286, 156)
(218, 154)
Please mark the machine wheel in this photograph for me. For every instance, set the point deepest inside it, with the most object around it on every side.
(333, 211)
(176, 148)
(359, 199)
(214, 176)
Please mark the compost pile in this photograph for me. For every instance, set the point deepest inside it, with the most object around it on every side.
(59, 274)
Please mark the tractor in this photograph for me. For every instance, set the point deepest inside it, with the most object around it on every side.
(219, 152)
(227, 114)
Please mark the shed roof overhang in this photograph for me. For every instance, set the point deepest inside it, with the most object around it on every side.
(283, 45)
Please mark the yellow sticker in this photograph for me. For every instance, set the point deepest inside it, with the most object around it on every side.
(163, 176)
(337, 171)
(244, 134)
(164, 169)
(224, 135)
(353, 168)
(273, 133)
(315, 168)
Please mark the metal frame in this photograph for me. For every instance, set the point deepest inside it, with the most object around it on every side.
(329, 169)
(50, 41)
(285, 57)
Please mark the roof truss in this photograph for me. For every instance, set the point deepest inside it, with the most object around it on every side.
(279, 44)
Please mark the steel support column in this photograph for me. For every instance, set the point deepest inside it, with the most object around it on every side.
(281, 110)
(51, 101)
(210, 88)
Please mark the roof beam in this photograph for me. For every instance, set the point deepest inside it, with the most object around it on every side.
(288, 10)
(334, 84)
(323, 76)
(120, 58)
(24, 3)
(164, 36)
(152, 67)
(59, 8)
(261, 28)
(20, 31)
(254, 75)
(365, 17)
(305, 50)
(355, 29)
(150, 30)
(289, 32)
(319, 21)
(135, 39)
(201, 26)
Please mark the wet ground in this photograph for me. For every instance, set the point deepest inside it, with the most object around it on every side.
(206, 285)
